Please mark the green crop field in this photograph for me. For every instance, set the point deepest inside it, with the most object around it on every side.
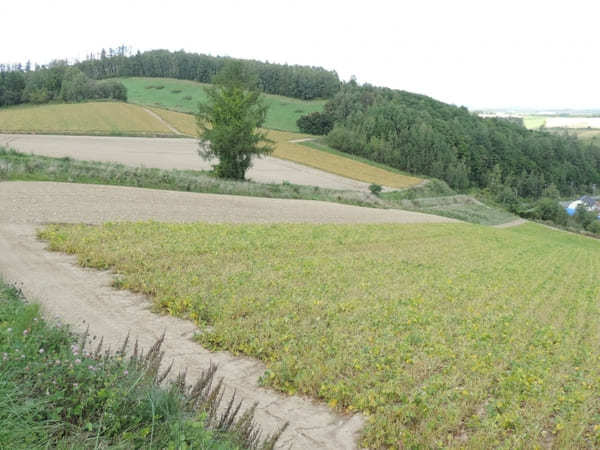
(534, 122)
(449, 335)
(184, 96)
(102, 118)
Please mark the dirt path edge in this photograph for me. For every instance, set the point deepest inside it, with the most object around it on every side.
(84, 298)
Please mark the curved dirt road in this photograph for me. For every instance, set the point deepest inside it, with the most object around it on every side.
(84, 297)
(169, 153)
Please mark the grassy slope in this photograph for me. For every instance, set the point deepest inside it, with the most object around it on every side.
(112, 118)
(53, 394)
(283, 111)
(445, 335)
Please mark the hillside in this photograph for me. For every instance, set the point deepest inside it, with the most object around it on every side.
(184, 96)
(422, 135)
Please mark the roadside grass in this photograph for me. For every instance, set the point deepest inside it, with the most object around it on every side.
(533, 122)
(93, 118)
(184, 96)
(27, 167)
(448, 335)
(54, 393)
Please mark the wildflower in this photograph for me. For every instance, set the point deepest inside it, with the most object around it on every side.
(77, 361)
(4, 356)
(9, 329)
(57, 362)
(41, 351)
(23, 356)
(75, 385)
(126, 372)
(35, 319)
(92, 368)
(25, 332)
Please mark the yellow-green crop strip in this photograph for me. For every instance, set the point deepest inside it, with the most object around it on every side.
(447, 335)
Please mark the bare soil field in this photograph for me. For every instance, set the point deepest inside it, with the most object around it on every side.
(169, 153)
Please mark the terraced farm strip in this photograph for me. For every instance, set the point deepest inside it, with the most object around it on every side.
(95, 118)
(442, 335)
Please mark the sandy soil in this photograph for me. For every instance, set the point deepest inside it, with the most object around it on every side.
(169, 153)
(83, 297)
(43, 202)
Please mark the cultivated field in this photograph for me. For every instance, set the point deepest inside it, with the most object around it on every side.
(304, 153)
(113, 118)
(534, 122)
(446, 335)
(184, 96)
(102, 118)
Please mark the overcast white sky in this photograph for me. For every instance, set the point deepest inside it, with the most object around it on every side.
(501, 53)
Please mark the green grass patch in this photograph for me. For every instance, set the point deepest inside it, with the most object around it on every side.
(184, 96)
(448, 335)
(534, 122)
(54, 393)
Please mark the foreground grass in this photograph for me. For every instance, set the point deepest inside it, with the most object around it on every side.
(56, 394)
(184, 96)
(93, 118)
(443, 335)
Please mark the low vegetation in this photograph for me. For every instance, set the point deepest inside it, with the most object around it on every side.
(27, 167)
(448, 335)
(57, 393)
(96, 118)
(282, 114)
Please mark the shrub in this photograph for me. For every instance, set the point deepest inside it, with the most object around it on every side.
(315, 123)
(375, 189)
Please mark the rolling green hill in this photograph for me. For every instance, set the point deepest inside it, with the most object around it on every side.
(184, 96)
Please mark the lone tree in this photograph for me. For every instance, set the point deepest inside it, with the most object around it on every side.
(229, 122)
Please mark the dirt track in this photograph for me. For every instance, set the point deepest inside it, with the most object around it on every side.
(169, 153)
(83, 297)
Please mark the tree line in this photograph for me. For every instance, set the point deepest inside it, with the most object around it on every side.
(423, 136)
(57, 82)
(301, 82)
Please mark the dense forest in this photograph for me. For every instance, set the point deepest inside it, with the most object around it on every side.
(424, 136)
(301, 82)
(56, 82)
